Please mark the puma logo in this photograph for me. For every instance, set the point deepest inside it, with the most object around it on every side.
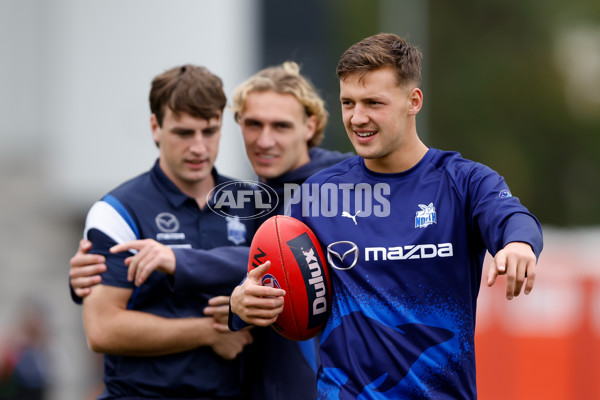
(352, 217)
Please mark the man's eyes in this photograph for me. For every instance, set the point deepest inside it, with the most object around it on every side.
(183, 133)
(281, 125)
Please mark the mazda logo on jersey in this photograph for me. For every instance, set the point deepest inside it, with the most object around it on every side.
(342, 255)
(167, 222)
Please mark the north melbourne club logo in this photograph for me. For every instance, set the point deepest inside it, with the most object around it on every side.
(236, 230)
(427, 216)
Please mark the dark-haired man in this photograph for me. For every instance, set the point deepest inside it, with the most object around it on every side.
(157, 342)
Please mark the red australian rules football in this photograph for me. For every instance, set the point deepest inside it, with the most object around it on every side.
(297, 266)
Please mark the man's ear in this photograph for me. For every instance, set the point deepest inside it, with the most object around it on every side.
(416, 101)
(311, 124)
(155, 129)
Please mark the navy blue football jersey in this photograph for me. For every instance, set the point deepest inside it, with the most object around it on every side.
(151, 206)
(406, 253)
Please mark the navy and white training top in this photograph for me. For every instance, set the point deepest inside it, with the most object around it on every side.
(151, 206)
(406, 253)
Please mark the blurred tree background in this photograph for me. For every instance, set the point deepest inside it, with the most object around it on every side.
(501, 92)
(512, 84)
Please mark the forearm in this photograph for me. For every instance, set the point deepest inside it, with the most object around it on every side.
(216, 271)
(111, 328)
(134, 333)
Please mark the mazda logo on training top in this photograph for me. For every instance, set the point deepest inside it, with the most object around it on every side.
(167, 222)
(342, 255)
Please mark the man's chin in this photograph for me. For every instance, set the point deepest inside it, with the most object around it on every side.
(267, 172)
(200, 175)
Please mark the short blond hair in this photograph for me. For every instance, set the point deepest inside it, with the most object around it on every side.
(285, 79)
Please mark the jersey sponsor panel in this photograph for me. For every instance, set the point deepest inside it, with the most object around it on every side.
(344, 254)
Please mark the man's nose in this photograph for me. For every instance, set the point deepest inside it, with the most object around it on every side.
(266, 138)
(198, 145)
(359, 116)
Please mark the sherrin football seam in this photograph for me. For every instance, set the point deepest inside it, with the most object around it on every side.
(285, 274)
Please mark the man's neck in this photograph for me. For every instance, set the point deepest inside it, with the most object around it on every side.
(197, 190)
(200, 191)
(399, 162)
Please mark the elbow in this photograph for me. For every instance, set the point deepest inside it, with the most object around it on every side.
(98, 334)
(97, 342)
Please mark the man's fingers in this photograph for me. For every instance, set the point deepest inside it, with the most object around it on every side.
(255, 276)
(126, 246)
(135, 262)
(497, 268)
(511, 281)
(254, 302)
(147, 264)
(86, 270)
(85, 281)
(518, 262)
(500, 261)
(221, 328)
(83, 260)
(492, 273)
(218, 301)
(82, 292)
(521, 268)
(265, 292)
(265, 314)
(85, 245)
(138, 267)
(216, 310)
(257, 273)
(530, 277)
(257, 304)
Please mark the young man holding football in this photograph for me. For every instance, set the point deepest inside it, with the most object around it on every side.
(282, 119)
(405, 284)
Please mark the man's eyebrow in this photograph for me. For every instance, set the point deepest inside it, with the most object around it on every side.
(180, 129)
(282, 122)
(211, 128)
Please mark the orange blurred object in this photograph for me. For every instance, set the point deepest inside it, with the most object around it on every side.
(545, 345)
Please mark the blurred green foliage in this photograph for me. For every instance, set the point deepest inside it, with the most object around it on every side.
(496, 95)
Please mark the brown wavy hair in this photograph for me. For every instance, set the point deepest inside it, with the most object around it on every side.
(379, 51)
(187, 89)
